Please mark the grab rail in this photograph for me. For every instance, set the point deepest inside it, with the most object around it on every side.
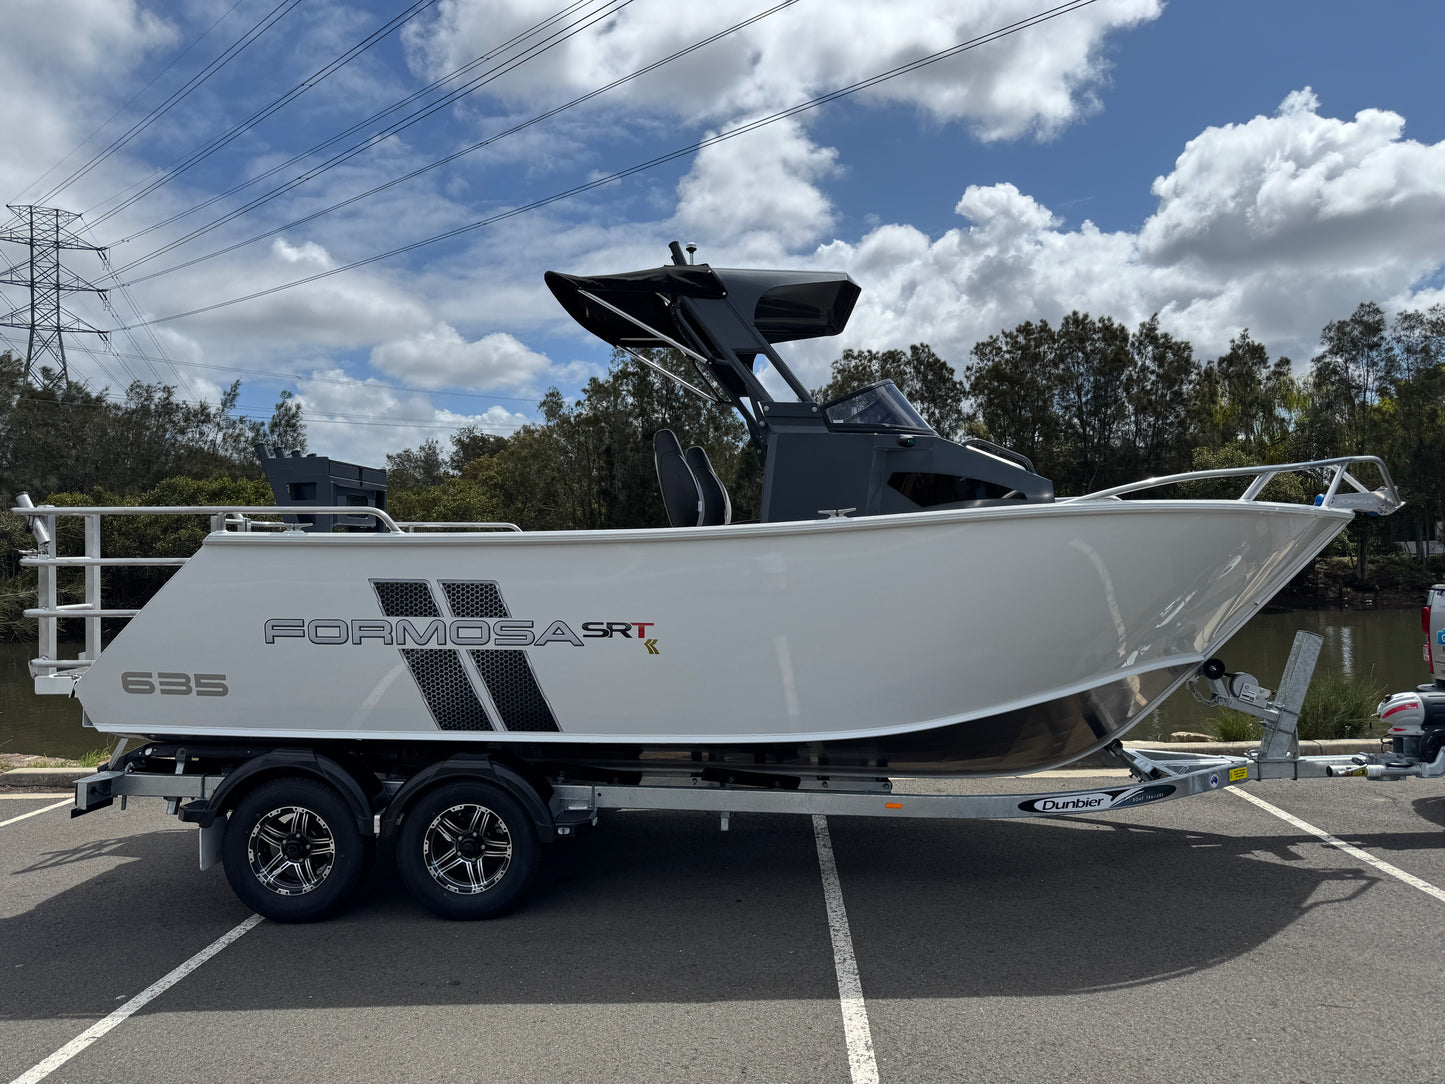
(53, 674)
(1379, 502)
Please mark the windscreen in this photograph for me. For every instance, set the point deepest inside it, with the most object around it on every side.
(878, 405)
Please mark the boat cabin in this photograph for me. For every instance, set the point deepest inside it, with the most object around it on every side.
(868, 453)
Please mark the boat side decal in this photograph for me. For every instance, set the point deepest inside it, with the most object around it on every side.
(508, 675)
(445, 687)
(513, 685)
(475, 598)
(406, 598)
(448, 685)
(439, 673)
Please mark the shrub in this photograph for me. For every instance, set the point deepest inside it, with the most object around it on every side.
(1231, 725)
(1337, 706)
(1340, 706)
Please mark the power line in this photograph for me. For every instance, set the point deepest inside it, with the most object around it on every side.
(277, 13)
(609, 7)
(662, 159)
(104, 124)
(451, 157)
(177, 168)
(516, 39)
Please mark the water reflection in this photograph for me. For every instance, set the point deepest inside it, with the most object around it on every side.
(48, 725)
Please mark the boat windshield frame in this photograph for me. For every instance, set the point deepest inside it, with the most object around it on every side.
(880, 405)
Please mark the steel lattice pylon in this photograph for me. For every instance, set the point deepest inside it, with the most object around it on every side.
(46, 231)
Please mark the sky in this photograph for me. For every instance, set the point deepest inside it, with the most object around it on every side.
(1227, 164)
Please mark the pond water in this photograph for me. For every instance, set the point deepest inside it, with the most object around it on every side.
(1383, 644)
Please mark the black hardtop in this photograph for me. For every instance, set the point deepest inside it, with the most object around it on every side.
(781, 305)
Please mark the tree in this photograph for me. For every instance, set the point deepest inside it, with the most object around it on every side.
(586, 464)
(1091, 360)
(1410, 418)
(1247, 401)
(287, 427)
(66, 437)
(415, 468)
(1010, 381)
(1357, 361)
(1356, 364)
(1158, 387)
(469, 443)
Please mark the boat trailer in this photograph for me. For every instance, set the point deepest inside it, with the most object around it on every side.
(1158, 775)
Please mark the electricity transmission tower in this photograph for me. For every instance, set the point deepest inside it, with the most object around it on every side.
(46, 232)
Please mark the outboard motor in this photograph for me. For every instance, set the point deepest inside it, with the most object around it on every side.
(1417, 720)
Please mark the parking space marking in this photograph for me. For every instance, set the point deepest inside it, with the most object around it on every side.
(30, 795)
(861, 1063)
(37, 812)
(1364, 856)
(150, 993)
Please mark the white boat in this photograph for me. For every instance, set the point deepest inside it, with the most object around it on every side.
(908, 604)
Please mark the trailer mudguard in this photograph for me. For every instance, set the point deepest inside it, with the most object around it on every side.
(472, 766)
(283, 762)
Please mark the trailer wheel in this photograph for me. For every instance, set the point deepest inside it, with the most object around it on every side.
(467, 850)
(292, 850)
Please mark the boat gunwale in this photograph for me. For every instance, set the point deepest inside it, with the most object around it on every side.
(893, 521)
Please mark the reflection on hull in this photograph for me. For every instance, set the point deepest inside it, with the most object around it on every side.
(1035, 738)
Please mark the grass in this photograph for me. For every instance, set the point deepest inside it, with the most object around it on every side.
(1337, 706)
(1231, 725)
(93, 759)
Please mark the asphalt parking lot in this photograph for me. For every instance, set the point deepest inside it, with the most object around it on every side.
(1203, 939)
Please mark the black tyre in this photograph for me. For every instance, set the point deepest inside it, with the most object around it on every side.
(467, 850)
(292, 850)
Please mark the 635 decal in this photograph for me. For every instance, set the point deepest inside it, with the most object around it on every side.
(173, 683)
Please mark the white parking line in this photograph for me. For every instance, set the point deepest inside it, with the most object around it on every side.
(37, 812)
(29, 795)
(856, 1032)
(149, 994)
(1364, 856)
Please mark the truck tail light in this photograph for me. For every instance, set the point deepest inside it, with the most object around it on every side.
(1429, 642)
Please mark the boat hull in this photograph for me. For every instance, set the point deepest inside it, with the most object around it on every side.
(971, 641)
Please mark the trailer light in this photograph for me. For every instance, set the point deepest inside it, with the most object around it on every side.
(892, 805)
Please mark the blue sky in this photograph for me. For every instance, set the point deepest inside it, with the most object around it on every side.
(1299, 152)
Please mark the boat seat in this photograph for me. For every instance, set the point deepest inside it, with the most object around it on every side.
(681, 494)
(716, 507)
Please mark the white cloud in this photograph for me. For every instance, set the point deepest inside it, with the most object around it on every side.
(761, 194)
(102, 40)
(361, 421)
(1279, 224)
(439, 357)
(1037, 81)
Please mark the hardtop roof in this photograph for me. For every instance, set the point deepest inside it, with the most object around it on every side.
(780, 305)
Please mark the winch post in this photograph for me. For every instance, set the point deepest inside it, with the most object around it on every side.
(1281, 733)
(1278, 756)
